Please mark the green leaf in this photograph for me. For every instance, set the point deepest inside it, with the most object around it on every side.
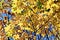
(39, 4)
